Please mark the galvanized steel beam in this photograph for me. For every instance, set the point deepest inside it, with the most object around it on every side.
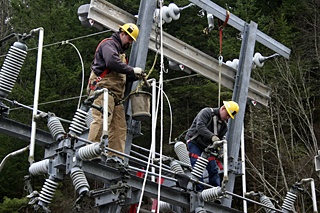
(110, 16)
(239, 24)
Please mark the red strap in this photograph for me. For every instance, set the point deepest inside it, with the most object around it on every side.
(226, 20)
(106, 71)
(104, 40)
(209, 159)
(93, 86)
(220, 33)
(218, 162)
(221, 27)
(193, 155)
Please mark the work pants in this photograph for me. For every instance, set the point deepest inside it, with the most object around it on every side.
(212, 168)
(117, 127)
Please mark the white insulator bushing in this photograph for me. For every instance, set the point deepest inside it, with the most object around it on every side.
(199, 167)
(174, 11)
(182, 153)
(165, 14)
(211, 194)
(258, 59)
(79, 122)
(210, 21)
(176, 167)
(39, 168)
(11, 67)
(90, 151)
(79, 180)
(89, 118)
(56, 128)
(234, 63)
(174, 65)
(156, 17)
(229, 63)
(47, 191)
(164, 206)
(289, 201)
(200, 209)
(267, 202)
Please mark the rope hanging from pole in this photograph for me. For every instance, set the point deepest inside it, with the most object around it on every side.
(221, 27)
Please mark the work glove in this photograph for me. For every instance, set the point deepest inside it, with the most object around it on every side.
(215, 138)
(137, 71)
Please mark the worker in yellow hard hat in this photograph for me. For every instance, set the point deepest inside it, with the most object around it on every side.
(231, 107)
(110, 70)
(209, 126)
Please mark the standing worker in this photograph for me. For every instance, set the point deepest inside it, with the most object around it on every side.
(110, 70)
(209, 126)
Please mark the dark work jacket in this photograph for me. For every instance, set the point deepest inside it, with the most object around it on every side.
(202, 126)
(110, 55)
(107, 56)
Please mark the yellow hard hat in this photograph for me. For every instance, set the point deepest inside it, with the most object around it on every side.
(231, 107)
(131, 29)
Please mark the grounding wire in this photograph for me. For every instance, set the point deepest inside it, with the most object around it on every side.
(31, 108)
(82, 69)
(170, 110)
(145, 178)
(49, 102)
(60, 42)
(179, 78)
(161, 102)
(152, 148)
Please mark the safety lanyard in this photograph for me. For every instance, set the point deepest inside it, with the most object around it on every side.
(221, 27)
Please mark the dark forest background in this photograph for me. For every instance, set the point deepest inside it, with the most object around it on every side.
(281, 139)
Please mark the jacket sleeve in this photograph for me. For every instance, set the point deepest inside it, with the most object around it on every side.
(112, 59)
(204, 117)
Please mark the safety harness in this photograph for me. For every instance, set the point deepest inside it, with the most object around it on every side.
(93, 86)
(211, 158)
(215, 131)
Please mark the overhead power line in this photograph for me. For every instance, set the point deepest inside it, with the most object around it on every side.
(72, 39)
(51, 102)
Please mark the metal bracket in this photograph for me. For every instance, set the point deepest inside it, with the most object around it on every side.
(118, 193)
(235, 166)
(4, 110)
(135, 127)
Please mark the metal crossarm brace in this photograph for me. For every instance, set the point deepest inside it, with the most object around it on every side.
(239, 24)
(110, 16)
